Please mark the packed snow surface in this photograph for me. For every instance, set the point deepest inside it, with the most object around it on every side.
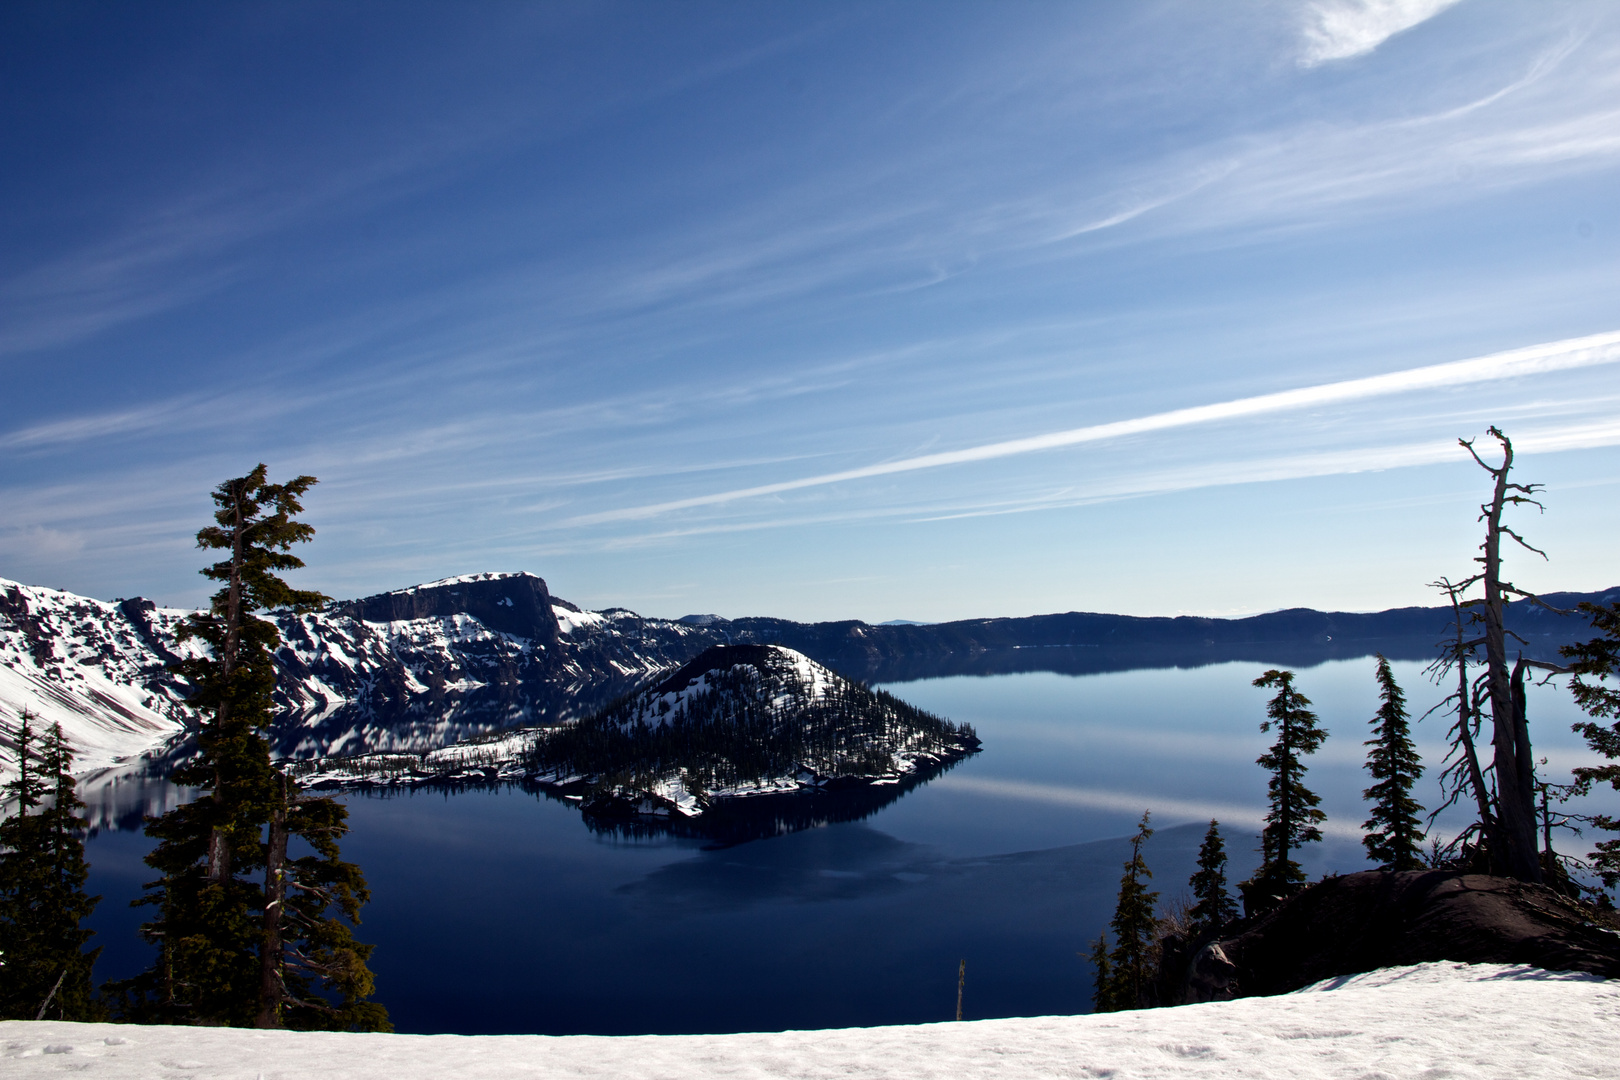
(1432, 1020)
(569, 620)
(462, 579)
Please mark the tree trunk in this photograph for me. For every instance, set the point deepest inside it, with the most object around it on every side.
(219, 853)
(219, 847)
(1515, 784)
(271, 991)
(1476, 778)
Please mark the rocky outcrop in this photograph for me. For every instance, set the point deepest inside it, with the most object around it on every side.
(1375, 919)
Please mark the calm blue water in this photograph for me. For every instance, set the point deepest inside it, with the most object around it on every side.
(498, 911)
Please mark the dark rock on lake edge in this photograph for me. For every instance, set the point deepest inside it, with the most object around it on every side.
(1376, 919)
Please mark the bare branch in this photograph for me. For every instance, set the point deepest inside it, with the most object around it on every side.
(1522, 541)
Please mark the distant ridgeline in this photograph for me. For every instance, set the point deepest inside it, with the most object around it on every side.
(737, 723)
(433, 665)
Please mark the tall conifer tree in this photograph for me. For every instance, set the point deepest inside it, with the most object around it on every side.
(1293, 817)
(1128, 970)
(46, 971)
(1102, 977)
(1215, 906)
(233, 951)
(1394, 835)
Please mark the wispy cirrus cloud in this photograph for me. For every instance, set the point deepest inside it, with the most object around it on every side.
(1274, 468)
(1362, 457)
(1340, 29)
(1537, 359)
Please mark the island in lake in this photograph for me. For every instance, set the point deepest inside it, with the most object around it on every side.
(740, 730)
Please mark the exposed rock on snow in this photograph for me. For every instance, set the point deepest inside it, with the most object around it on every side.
(1432, 1020)
(1376, 919)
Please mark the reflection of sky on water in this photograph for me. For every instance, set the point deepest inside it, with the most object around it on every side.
(499, 911)
(1068, 759)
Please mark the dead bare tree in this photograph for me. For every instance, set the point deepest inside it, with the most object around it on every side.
(1514, 768)
(1462, 771)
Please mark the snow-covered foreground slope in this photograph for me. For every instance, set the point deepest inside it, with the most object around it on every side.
(1433, 1020)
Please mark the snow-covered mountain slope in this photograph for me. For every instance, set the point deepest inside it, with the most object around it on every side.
(428, 666)
(96, 668)
(410, 670)
(1483, 1021)
(736, 721)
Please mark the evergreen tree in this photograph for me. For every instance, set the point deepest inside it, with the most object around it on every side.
(1593, 663)
(1129, 967)
(1102, 981)
(1394, 837)
(1292, 818)
(42, 899)
(231, 951)
(1215, 906)
(314, 974)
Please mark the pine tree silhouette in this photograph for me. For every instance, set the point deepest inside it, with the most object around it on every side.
(1215, 906)
(1394, 835)
(1293, 817)
(46, 971)
(1123, 980)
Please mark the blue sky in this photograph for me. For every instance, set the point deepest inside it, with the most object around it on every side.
(784, 308)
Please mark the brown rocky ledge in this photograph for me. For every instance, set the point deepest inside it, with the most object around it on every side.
(1374, 919)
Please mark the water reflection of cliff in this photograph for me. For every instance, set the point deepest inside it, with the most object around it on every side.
(120, 799)
(759, 817)
(1101, 660)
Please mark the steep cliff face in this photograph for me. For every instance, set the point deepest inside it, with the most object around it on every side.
(431, 665)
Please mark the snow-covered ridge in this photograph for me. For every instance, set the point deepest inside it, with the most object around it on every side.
(409, 671)
(464, 579)
(1484, 1021)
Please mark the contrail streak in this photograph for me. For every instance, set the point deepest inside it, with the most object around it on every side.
(1532, 360)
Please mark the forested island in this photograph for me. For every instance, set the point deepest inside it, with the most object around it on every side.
(737, 724)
